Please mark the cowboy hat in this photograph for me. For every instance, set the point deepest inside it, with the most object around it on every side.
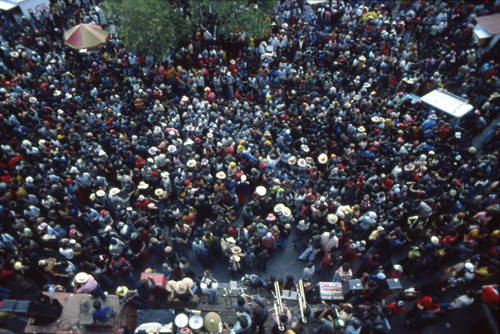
(114, 191)
(143, 185)
(231, 240)
(301, 162)
(322, 158)
(220, 175)
(278, 207)
(261, 191)
(100, 193)
(191, 163)
(32, 99)
(236, 250)
(81, 278)
(331, 218)
(172, 148)
(271, 217)
(286, 212)
(292, 160)
(180, 287)
(235, 258)
(158, 192)
(165, 174)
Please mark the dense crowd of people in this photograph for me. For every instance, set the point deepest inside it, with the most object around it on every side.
(110, 158)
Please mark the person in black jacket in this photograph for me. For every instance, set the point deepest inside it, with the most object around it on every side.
(259, 316)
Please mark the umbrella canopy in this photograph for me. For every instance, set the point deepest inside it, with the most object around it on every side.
(85, 36)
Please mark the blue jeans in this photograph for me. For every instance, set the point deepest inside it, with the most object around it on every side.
(212, 298)
(98, 292)
(309, 253)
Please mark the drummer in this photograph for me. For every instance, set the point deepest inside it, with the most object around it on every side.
(242, 325)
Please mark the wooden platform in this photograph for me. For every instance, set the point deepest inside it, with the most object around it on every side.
(222, 307)
(76, 316)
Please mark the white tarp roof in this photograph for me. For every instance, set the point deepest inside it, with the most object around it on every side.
(447, 102)
(315, 2)
(28, 7)
(481, 32)
(7, 5)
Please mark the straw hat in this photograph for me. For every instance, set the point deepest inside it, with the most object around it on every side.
(153, 150)
(235, 258)
(32, 99)
(236, 250)
(172, 148)
(331, 218)
(261, 191)
(301, 162)
(191, 163)
(114, 191)
(143, 185)
(305, 148)
(81, 278)
(361, 129)
(220, 175)
(271, 217)
(231, 240)
(322, 158)
(180, 287)
(188, 282)
(292, 160)
(286, 212)
(158, 192)
(279, 207)
(100, 193)
(164, 175)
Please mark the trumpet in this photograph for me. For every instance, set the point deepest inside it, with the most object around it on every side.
(278, 306)
(301, 296)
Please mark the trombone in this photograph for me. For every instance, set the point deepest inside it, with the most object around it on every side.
(278, 306)
(301, 296)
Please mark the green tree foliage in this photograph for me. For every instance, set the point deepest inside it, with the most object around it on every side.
(149, 26)
(233, 17)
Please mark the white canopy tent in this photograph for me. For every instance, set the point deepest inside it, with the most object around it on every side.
(447, 102)
(27, 7)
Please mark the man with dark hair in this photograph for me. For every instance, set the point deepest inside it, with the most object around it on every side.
(102, 314)
(259, 316)
(241, 306)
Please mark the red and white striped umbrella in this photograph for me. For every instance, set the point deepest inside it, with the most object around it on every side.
(85, 36)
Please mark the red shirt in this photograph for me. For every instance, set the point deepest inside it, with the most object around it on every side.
(490, 295)
(268, 243)
(395, 309)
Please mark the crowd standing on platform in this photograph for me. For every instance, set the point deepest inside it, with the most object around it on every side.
(111, 158)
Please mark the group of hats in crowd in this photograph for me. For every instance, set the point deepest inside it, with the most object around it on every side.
(121, 134)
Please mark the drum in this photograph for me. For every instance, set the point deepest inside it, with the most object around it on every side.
(195, 322)
(181, 320)
(184, 330)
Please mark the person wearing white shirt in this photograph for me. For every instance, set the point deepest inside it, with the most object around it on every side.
(209, 287)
